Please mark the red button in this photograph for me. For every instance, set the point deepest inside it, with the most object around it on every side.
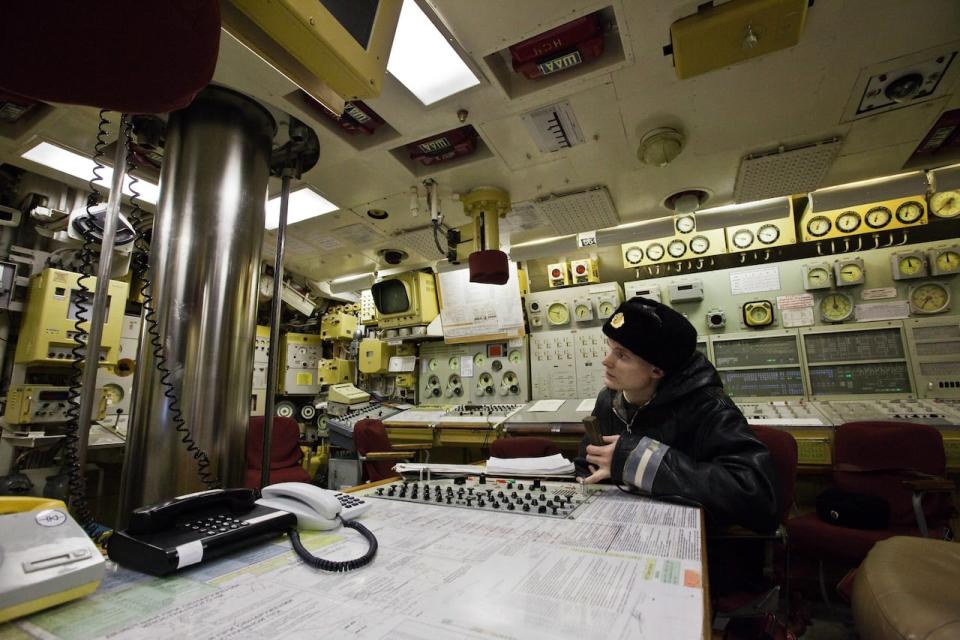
(581, 268)
(555, 273)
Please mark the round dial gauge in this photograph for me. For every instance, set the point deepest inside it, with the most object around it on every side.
(743, 238)
(946, 204)
(851, 272)
(633, 255)
(836, 307)
(113, 393)
(878, 217)
(582, 311)
(655, 251)
(686, 224)
(947, 261)
(479, 360)
(818, 277)
(758, 314)
(909, 212)
(606, 308)
(818, 226)
(515, 356)
(930, 297)
(676, 248)
(768, 233)
(433, 364)
(910, 266)
(558, 313)
(848, 221)
(454, 363)
(699, 244)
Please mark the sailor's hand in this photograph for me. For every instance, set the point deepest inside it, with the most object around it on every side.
(600, 459)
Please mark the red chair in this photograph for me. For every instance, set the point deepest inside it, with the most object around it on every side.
(900, 462)
(377, 454)
(523, 447)
(285, 454)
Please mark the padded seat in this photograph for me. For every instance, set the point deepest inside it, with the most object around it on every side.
(907, 588)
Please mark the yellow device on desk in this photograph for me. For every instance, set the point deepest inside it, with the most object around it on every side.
(347, 394)
(45, 557)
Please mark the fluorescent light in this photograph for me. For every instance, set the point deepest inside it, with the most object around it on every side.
(304, 203)
(424, 61)
(74, 164)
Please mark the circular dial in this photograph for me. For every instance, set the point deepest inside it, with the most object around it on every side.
(558, 313)
(515, 356)
(113, 393)
(910, 266)
(818, 226)
(758, 314)
(930, 297)
(433, 364)
(848, 221)
(878, 217)
(946, 204)
(655, 251)
(947, 261)
(836, 307)
(479, 360)
(818, 277)
(454, 363)
(909, 212)
(743, 238)
(686, 224)
(582, 311)
(768, 233)
(851, 272)
(699, 244)
(606, 308)
(633, 255)
(676, 248)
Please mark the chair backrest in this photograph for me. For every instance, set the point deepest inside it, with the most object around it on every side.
(876, 457)
(523, 447)
(369, 435)
(783, 451)
(284, 446)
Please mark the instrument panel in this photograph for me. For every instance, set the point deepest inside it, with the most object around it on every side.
(874, 217)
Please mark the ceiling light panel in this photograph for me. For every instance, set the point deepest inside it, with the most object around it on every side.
(304, 203)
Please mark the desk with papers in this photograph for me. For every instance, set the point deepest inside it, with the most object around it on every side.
(625, 567)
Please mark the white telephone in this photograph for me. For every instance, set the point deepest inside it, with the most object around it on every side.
(314, 507)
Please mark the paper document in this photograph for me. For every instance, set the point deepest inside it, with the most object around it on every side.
(587, 405)
(546, 405)
(439, 469)
(555, 465)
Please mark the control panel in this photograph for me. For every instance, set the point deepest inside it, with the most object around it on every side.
(340, 428)
(302, 354)
(934, 345)
(479, 373)
(923, 411)
(46, 404)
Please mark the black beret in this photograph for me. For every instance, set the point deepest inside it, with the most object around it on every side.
(653, 331)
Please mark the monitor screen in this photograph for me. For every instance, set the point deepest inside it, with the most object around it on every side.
(390, 296)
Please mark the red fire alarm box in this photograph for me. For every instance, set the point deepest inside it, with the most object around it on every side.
(559, 49)
(445, 146)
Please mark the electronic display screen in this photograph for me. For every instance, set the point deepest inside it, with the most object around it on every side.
(762, 382)
(356, 16)
(53, 395)
(847, 379)
(753, 352)
(841, 346)
(390, 296)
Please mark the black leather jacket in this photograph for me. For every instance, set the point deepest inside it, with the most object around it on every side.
(714, 460)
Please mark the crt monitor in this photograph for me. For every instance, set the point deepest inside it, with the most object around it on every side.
(406, 299)
(390, 297)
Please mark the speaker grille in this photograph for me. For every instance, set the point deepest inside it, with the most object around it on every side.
(784, 171)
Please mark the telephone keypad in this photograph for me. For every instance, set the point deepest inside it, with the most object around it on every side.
(214, 524)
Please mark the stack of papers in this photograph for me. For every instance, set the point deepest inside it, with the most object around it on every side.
(555, 465)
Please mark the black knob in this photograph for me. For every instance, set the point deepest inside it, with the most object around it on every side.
(542, 509)
(510, 506)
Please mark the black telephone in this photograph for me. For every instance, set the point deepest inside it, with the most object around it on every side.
(190, 529)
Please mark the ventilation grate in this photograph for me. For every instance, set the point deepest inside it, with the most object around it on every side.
(784, 171)
(578, 212)
(421, 241)
(358, 235)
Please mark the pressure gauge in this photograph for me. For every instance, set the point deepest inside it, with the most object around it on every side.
(848, 221)
(836, 307)
(433, 364)
(676, 248)
(816, 276)
(909, 212)
(818, 226)
(655, 251)
(634, 255)
(558, 313)
(454, 363)
(479, 360)
(583, 311)
(686, 224)
(515, 356)
(758, 313)
(848, 272)
(113, 393)
(743, 238)
(606, 308)
(908, 265)
(878, 217)
(944, 262)
(768, 233)
(945, 204)
(929, 298)
(699, 244)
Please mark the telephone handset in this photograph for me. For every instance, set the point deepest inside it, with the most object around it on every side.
(314, 507)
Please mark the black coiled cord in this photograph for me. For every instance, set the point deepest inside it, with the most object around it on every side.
(140, 265)
(333, 565)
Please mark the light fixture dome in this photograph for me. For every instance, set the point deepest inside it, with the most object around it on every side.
(659, 147)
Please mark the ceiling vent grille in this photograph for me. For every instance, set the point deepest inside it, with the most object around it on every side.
(421, 241)
(784, 171)
(577, 212)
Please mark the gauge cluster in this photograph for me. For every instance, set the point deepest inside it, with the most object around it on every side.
(761, 235)
(873, 217)
(690, 245)
(482, 373)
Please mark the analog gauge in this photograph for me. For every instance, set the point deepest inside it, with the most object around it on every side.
(606, 308)
(768, 233)
(699, 244)
(742, 238)
(818, 226)
(850, 273)
(686, 224)
(515, 356)
(848, 221)
(479, 360)
(946, 204)
(930, 297)
(454, 363)
(676, 248)
(433, 364)
(947, 261)
(910, 266)
(582, 311)
(817, 278)
(634, 255)
(113, 393)
(558, 313)
(758, 314)
(655, 251)
(878, 217)
(909, 212)
(496, 365)
(836, 307)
